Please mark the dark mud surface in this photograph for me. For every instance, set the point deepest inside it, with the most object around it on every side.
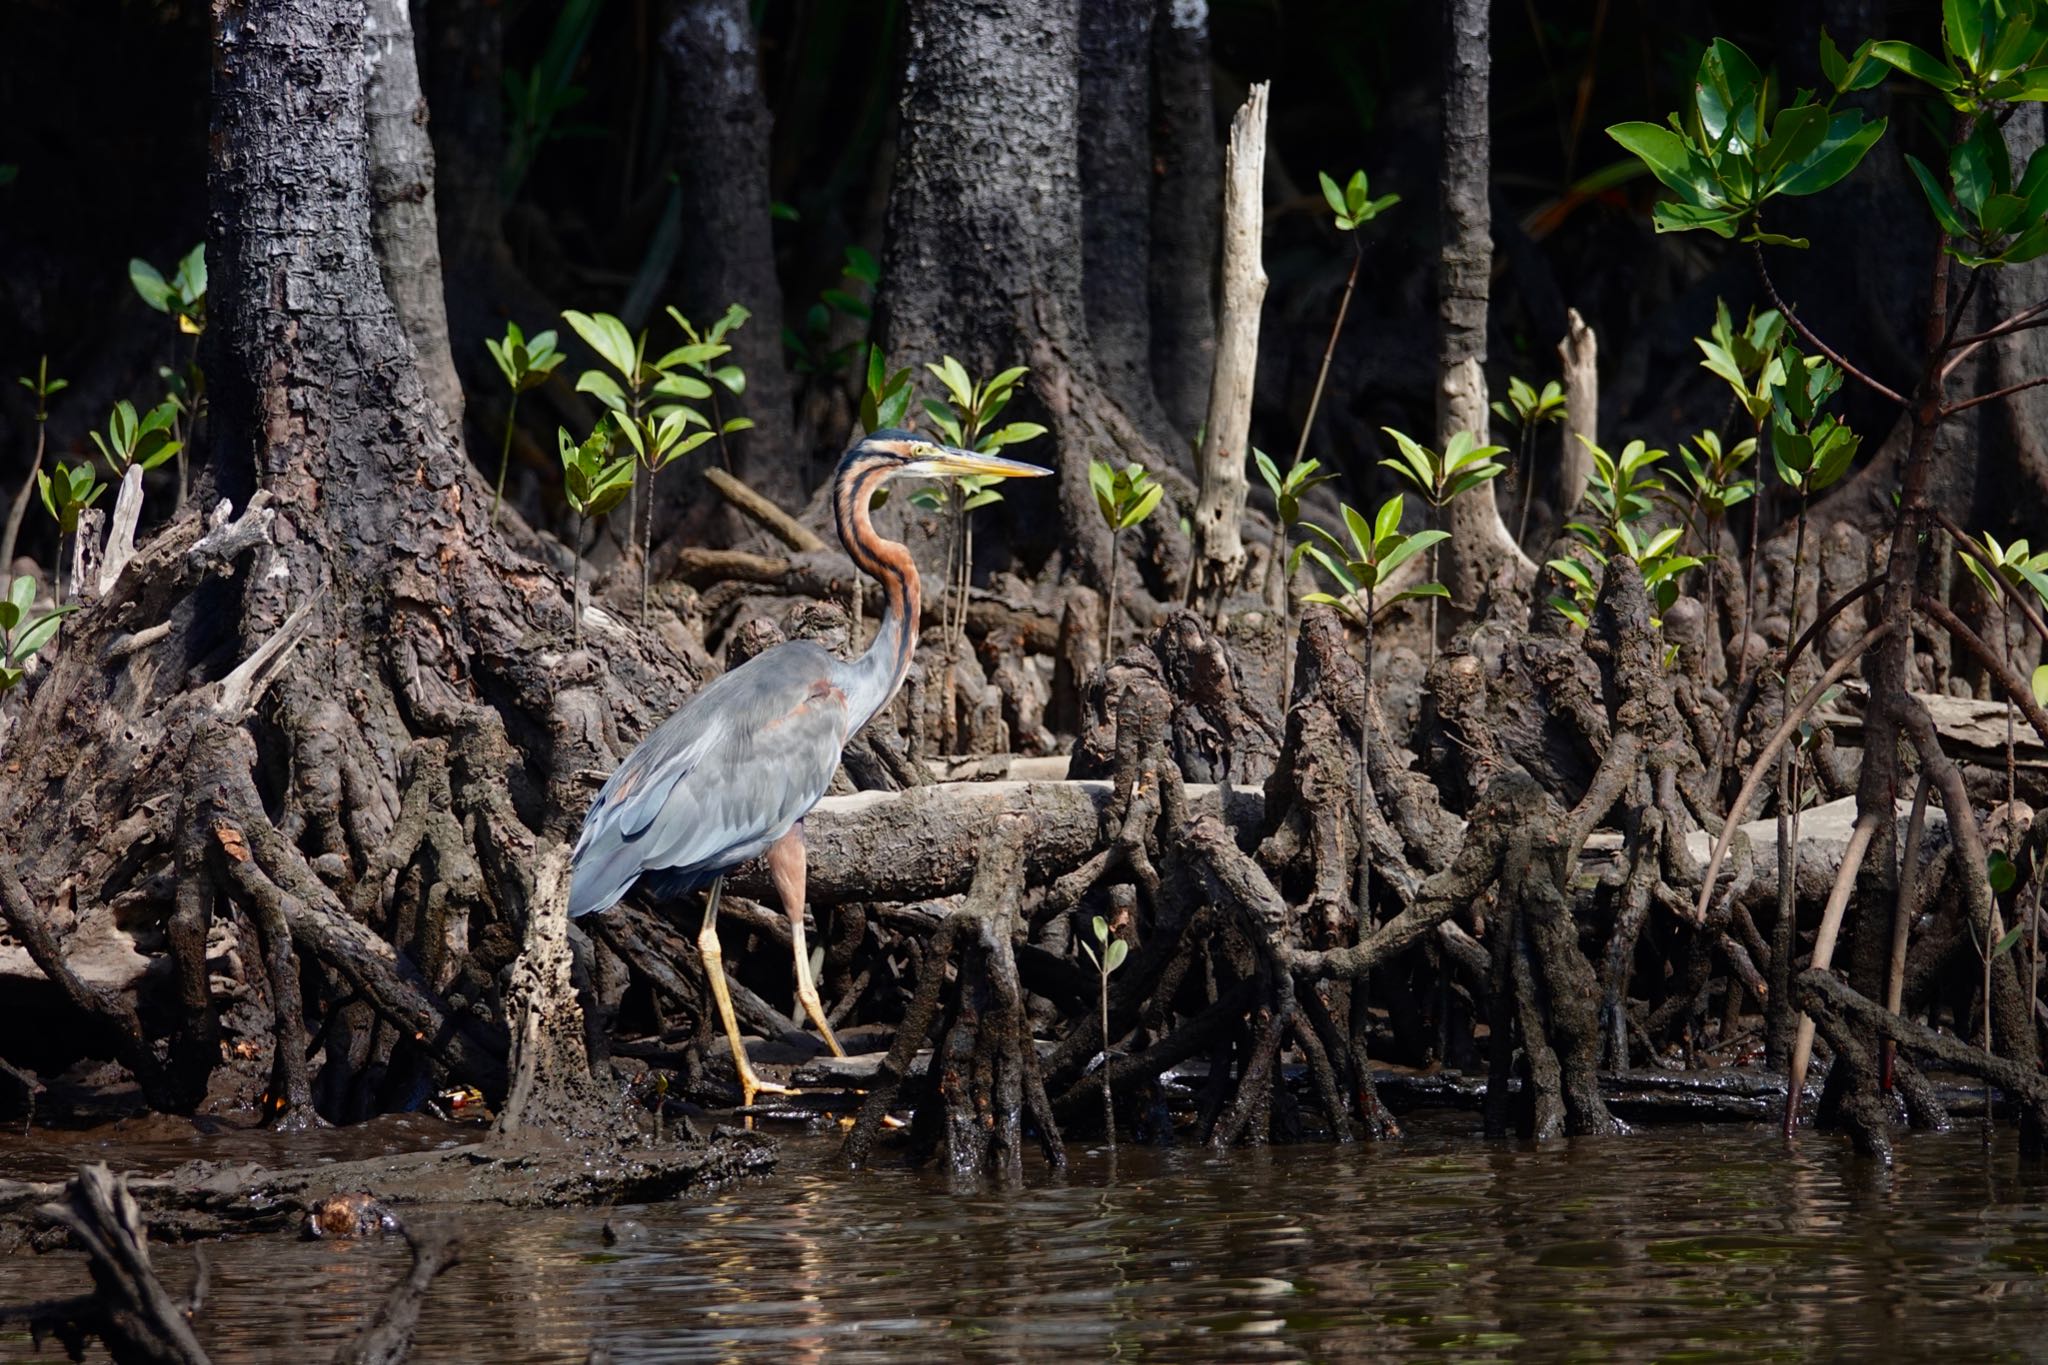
(1710, 1243)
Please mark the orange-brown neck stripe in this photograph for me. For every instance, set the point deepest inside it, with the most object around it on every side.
(887, 560)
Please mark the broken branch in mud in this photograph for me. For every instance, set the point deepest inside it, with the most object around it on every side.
(387, 1339)
(129, 1309)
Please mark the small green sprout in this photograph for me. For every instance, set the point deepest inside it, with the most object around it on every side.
(20, 635)
(526, 365)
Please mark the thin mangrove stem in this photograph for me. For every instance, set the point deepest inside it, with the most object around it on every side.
(19, 507)
(1109, 606)
(1902, 918)
(1315, 398)
(504, 456)
(1763, 761)
(576, 583)
(1824, 955)
(1364, 774)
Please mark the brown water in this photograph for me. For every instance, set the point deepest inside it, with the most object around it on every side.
(1705, 1244)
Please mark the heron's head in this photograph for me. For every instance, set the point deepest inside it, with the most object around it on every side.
(902, 453)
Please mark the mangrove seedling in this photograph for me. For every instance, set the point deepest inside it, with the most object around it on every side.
(1711, 487)
(626, 395)
(1526, 409)
(1352, 207)
(1287, 490)
(1114, 950)
(689, 376)
(2003, 570)
(43, 388)
(1125, 497)
(1811, 451)
(1465, 464)
(966, 418)
(67, 491)
(975, 492)
(1361, 569)
(526, 364)
(1749, 363)
(20, 635)
(659, 439)
(146, 440)
(183, 297)
(1621, 487)
(886, 396)
(1620, 491)
(1659, 558)
(593, 483)
(658, 431)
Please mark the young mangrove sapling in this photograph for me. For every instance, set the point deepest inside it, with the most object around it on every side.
(526, 364)
(1361, 569)
(43, 388)
(1125, 497)
(1114, 950)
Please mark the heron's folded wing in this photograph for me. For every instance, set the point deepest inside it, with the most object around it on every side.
(750, 787)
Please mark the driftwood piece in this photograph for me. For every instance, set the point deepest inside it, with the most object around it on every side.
(1579, 355)
(551, 1083)
(764, 512)
(130, 1309)
(1219, 506)
(1972, 732)
(388, 1337)
(121, 534)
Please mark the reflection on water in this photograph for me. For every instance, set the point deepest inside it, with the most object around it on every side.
(1715, 1243)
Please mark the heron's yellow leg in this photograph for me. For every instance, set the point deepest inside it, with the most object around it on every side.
(714, 972)
(786, 865)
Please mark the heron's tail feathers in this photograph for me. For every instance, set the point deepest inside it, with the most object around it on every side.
(599, 879)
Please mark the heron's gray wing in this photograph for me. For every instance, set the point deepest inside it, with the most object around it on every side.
(721, 779)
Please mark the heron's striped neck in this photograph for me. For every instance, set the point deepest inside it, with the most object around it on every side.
(881, 670)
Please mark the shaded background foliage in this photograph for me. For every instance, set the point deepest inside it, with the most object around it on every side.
(103, 114)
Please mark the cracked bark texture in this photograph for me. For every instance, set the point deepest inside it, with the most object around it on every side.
(405, 227)
(1481, 554)
(1116, 172)
(1186, 171)
(397, 646)
(983, 259)
(719, 128)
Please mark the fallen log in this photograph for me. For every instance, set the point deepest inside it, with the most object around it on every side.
(927, 842)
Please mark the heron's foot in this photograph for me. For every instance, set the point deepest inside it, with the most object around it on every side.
(815, 1008)
(752, 1085)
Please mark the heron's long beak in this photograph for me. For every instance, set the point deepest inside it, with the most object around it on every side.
(948, 460)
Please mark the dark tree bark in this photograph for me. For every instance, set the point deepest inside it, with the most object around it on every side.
(402, 193)
(1481, 551)
(461, 46)
(718, 137)
(983, 259)
(1116, 205)
(1187, 195)
(420, 649)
